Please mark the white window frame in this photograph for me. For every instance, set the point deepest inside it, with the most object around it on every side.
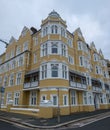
(81, 60)
(54, 29)
(35, 58)
(11, 82)
(64, 71)
(54, 70)
(18, 50)
(73, 98)
(18, 78)
(5, 80)
(44, 71)
(65, 100)
(56, 99)
(33, 98)
(55, 47)
(63, 50)
(20, 61)
(8, 97)
(44, 49)
(35, 39)
(25, 46)
(80, 45)
(70, 59)
(85, 102)
(43, 96)
(16, 98)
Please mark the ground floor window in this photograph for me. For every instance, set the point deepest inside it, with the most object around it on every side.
(85, 97)
(9, 97)
(16, 98)
(73, 98)
(65, 100)
(55, 100)
(90, 98)
(33, 98)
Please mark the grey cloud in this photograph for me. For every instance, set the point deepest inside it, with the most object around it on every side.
(91, 16)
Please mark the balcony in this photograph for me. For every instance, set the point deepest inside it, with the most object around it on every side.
(107, 91)
(97, 89)
(31, 85)
(78, 85)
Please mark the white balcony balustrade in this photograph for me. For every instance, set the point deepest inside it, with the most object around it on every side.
(77, 85)
(30, 84)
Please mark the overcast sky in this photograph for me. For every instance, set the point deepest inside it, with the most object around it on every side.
(92, 16)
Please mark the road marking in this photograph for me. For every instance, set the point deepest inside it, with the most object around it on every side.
(84, 124)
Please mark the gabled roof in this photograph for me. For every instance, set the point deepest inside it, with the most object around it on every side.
(12, 39)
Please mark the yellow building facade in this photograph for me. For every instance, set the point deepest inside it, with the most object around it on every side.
(51, 71)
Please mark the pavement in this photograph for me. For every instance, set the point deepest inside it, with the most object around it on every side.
(35, 122)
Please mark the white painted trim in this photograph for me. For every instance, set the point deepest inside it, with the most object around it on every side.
(25, 109)
(2, 106)
(53, 89)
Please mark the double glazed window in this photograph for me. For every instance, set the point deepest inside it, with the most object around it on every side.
(85, 97)
(64, 71)
(54, 70)
(9, 97)
(55, 100)
(33, 98)
(65, 100)
(54, 29)
(81, 59)
(44, 71)
(18, 78)
(16, 98)
(73, 98)
(54, 48)
(45, 31)
(63, 47)
(11, 79)
(44, 49)
(5, 81)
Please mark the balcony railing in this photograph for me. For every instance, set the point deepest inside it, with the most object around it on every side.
(107, 91)
(96, 89)
(30, 85)
(78, 85)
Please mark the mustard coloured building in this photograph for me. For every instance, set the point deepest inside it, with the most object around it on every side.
(52, 71)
